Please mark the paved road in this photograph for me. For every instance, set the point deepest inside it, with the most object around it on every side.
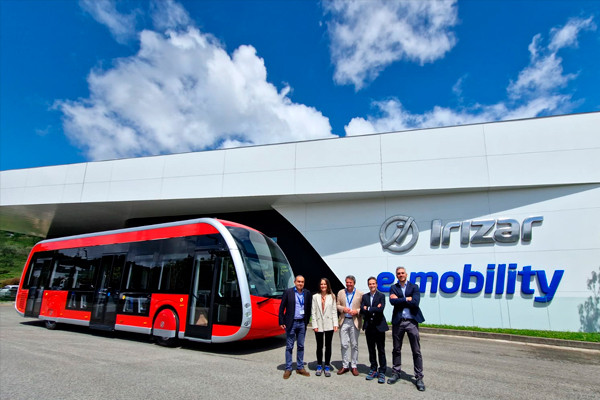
(75, 363)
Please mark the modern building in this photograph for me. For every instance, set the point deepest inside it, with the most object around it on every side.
(498, 222)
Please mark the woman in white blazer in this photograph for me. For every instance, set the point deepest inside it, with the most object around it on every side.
(324, 322)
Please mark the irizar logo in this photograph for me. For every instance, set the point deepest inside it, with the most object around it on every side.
(400, 233)
(482, 232)
(394, 232)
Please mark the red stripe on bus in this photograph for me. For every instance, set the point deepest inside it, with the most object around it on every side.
(126, 237)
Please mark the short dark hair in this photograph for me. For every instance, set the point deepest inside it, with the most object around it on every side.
(371, 277)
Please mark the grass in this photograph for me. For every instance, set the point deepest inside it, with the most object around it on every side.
(581, 336)
(14, 249)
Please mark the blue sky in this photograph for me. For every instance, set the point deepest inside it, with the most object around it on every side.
(97, 80)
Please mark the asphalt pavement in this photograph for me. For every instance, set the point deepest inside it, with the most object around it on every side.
(77, 363)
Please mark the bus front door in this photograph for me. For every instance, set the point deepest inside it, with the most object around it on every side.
(106, 293)
(199, 321)
(37, 281)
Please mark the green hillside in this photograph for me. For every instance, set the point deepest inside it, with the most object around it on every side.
(14, 249)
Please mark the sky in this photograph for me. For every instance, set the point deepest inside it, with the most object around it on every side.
(100, 79)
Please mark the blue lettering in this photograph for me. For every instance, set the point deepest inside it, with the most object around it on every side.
(384, 281)
(512, 279)
(423, 277)
(455, 282)
(548, 291)
(527, 274)
(473, 282)
(500, 276)
(489, 278)
(467, 275)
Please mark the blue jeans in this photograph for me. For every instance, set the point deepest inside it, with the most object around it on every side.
(297, 333)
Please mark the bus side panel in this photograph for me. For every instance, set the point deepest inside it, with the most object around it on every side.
(224, 330)
(53, 308)
(21, 301)
(134, 320)
(178, 302)
(53, 303)
(265, 318)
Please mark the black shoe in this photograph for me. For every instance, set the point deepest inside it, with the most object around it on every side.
(420, 385)
(394, 378)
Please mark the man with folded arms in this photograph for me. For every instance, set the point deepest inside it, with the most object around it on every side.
(407, 315)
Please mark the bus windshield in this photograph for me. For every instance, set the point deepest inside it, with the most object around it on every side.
(269, 272)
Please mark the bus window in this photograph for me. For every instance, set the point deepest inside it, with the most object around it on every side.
(268, 271)
(39, 275)
(227, 300)
(65, 269)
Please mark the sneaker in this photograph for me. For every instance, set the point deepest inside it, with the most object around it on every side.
(381, 378)
(327, 371)
(319, 370)
(371, 375)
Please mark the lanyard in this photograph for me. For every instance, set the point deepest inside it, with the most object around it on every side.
(349, 300)
(300, 299)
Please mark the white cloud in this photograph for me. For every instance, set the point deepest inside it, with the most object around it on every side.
(544, 73)
(367, 36)
(535, 92)
(182, 92)
(567, 35)
(167, 14)
(121, 26)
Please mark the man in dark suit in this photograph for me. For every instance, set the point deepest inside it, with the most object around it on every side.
(294, 313)
(407, 315)
(375, 326)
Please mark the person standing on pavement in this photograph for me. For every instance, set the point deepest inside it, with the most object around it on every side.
(348, 306)
(375, 326)
(294, 314)
(324, 323)
(406, 317)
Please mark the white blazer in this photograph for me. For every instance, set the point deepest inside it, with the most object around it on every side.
(324, 319)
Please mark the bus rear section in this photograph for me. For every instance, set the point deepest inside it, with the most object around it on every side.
(204, 280)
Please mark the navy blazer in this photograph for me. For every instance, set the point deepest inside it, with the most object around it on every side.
(373, 316)
(412, 290)
(288, 308)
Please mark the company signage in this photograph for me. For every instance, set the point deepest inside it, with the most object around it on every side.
(497, 280)
(399, 234)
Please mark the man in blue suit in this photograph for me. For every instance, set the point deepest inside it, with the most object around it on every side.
(407, 315)
(294, 313)
(375, 326)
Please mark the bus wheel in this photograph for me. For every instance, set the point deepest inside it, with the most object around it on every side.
(165, 327)
(50, 325)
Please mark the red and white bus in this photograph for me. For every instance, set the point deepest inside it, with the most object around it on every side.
(204, 280)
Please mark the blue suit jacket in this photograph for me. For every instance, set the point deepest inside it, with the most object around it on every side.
(288, 308)
(412, 290)
(373, 317)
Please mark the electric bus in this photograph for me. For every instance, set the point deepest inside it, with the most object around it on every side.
(205, 280)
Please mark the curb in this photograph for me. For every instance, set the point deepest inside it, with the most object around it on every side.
(514, 338)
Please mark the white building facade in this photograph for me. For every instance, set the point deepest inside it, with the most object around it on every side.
(499, 223)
